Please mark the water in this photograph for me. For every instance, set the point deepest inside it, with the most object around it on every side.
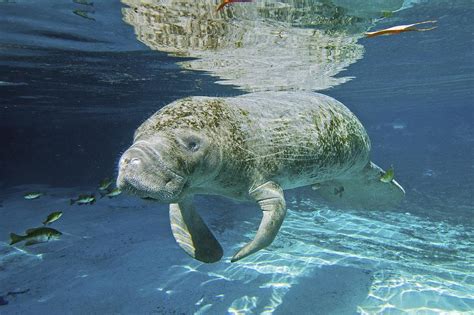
(77, 79)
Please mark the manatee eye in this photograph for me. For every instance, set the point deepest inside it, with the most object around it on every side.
(193, 146)
(191, 143)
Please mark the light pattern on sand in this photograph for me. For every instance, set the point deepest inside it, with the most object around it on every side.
(12, 258)
(336, 261)
(415, 264)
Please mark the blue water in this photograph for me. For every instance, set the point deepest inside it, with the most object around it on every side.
(74, 88)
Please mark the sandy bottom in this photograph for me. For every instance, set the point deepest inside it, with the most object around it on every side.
(119, 256)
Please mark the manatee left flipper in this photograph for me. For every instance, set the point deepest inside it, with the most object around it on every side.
(272, 202)
(192, 234)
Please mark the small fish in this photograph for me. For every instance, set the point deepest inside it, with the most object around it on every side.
(387, 177)
(35, 235)
(83, 14)
(83, 200)
(52, 217)
(402, 28)
(226, 2)
(112, 193)
(32, 195)
(105, 184)
(339, 191)
(84, 2)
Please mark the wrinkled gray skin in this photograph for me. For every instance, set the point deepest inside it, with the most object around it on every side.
(250, 147)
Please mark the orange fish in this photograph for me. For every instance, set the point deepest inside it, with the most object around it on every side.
(402, 28)
(226, 2)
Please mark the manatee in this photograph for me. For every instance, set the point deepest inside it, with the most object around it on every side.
(250, 147)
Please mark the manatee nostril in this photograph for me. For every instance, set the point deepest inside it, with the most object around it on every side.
(135, 161)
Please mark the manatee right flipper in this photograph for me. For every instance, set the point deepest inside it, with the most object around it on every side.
(192, 234)
(272, 202)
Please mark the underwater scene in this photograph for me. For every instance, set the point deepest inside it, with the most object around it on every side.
(236, 157)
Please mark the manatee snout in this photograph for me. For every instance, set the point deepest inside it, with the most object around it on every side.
(143, 173)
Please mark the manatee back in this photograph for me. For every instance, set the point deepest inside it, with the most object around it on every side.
(299, 138)
(205, 114)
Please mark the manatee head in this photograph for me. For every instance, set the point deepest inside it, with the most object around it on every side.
(165, 165)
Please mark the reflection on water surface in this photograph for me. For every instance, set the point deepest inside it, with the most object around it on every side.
(268, 45)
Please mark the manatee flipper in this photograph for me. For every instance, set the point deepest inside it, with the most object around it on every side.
(363, 190)
(192, 234)
(272, 202)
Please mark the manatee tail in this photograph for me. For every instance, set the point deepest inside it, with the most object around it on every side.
(364, 190)
(14, 238)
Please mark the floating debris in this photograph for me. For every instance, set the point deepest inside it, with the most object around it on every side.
(53, 217)
(83, 200)
(32, 195)
(105, 184)
(111, 193)
(388, 176)
(402, 28)
(226, 2)
(35, 236)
